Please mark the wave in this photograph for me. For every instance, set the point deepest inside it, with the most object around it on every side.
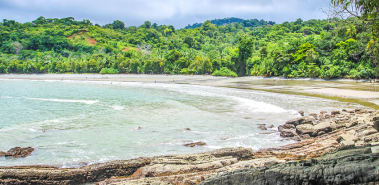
(89, 102)
(118, 107)
(257, 106)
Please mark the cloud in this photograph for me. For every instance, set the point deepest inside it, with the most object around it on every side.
(170, 12)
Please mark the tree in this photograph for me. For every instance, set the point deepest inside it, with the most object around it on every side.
(365, 10)
(118, 25)
(147, 24)
(245, 47)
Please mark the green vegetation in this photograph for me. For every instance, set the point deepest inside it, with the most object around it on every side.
(331, 48)
(224, 72)
(108, 71)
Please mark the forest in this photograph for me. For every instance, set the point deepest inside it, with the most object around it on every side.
(330, 48)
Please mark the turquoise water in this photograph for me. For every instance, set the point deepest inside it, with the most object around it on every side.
(78, 123)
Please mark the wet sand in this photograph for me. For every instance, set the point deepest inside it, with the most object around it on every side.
(355, 91)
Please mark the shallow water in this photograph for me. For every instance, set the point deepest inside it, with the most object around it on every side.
(76, 123)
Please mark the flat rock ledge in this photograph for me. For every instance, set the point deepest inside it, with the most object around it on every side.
(339, 148)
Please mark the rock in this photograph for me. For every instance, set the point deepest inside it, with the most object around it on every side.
(288, 133)
(376, 125)
(322, 128)
(335, 113)
(347, 139)
(138, 128)
(352, 122)
(305, 129)
(344, 110)
(195, 144)
(271, 126)
(187, 129)
(314, 115)
(354, 166)
(2, 154)
(285, 126)
(323, 112)
(18, 152)
(301, 113)
(342, 118)
(262, 127)
(300, 121)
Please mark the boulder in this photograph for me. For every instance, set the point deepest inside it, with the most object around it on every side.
(2, 154)
(305, 129)
(322, 128)
(288, 133)
(301, 113)
(323, 112)
(18, 152)
(195, 144)
(335, 113)
(314, 115)
(300, 121)
(262, 127)
(271, 126)
(187, 129)
(285, 126)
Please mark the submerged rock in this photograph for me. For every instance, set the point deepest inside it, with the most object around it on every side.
(262, 127)
(18, 152)
(195, 144)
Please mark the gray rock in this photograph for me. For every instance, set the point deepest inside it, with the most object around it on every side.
(262, 127)
(300, 121)
(305, 129)
(352, 166)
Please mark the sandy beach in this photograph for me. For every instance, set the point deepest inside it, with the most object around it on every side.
(356, 91)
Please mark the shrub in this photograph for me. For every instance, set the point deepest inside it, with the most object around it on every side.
(224, 72)
(109, 71)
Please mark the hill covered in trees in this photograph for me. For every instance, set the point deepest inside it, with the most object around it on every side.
(331, 48)
(233, 20)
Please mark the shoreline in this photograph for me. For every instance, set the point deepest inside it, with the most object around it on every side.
(345, 90)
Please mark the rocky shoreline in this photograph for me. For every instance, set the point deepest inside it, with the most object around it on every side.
(336, 148)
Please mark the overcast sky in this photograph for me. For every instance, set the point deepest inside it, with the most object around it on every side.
(178, 13)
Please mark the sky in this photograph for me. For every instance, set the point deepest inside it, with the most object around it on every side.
(178, 13)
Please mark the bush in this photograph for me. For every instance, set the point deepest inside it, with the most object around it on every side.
(109, 71)
(224, 72)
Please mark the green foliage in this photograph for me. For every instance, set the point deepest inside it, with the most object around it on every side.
(316, 48)
(224, 72)
(109, 71)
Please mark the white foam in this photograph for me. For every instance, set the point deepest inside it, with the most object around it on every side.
(118, 107)
(89, 102)
(257, 106)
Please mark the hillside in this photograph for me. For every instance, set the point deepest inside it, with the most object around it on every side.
(331, 48)
(232, 20)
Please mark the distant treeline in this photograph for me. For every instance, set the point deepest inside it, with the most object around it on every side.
(233, 20)
(331, 48)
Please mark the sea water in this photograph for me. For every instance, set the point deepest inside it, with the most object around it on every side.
(71, 123)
